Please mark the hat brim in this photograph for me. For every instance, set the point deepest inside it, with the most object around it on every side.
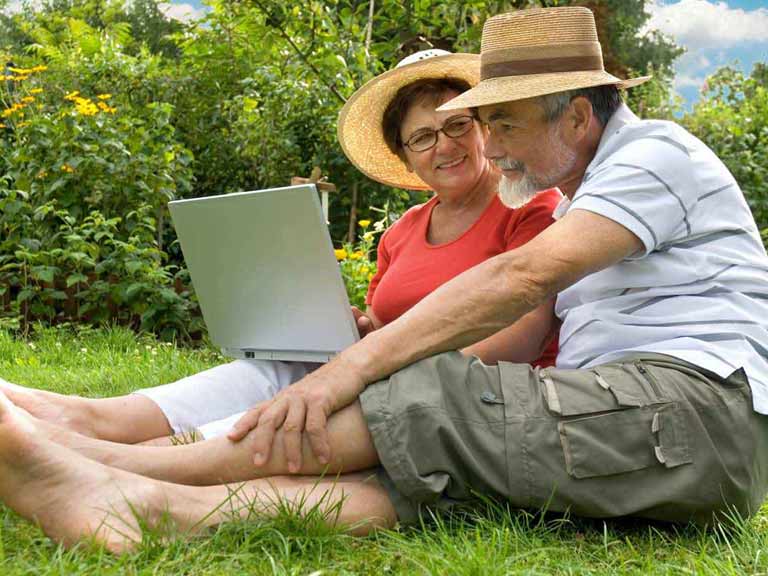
(512, 88)
(360, 129)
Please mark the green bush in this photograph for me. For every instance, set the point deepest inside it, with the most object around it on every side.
(86, 180)
(357, 261)
(732, 119)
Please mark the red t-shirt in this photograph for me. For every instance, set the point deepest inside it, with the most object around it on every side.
(409, 267)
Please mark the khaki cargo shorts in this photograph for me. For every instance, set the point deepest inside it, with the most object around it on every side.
(648, 436)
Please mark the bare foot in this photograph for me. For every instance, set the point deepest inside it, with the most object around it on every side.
(66, 411)
(75, 499)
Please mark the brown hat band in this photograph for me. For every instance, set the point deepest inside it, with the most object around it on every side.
(541, 66)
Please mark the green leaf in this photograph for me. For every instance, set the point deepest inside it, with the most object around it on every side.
(73, 279)
(44, 273)
(134, 266)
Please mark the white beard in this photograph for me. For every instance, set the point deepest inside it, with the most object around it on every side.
(516, 193)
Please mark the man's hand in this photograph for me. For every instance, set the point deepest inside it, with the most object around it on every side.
(365, 324)
(302, 407)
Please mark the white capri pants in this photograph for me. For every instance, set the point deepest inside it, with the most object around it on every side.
(210, 402)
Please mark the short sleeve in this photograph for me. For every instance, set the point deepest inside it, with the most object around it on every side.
(646, 188)
(531, 219)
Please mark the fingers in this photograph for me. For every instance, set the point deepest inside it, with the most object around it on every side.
(270, 420)
(364, 325)
(248, 422)
(292, 433)
(317, 431)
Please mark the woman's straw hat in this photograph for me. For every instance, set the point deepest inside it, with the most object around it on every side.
(360, 121)
(534, 52)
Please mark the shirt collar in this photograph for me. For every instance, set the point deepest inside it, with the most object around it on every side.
(620, 118)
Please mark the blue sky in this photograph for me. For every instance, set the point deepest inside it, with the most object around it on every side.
(713, 32)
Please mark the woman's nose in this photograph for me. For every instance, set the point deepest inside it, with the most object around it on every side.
(444, 142)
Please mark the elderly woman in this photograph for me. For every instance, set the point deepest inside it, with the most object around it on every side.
(391, 132)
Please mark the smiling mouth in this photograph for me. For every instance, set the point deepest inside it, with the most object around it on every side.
(451, 164)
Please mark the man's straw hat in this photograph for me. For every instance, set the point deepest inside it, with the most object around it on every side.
(360, 130)
(534, 52)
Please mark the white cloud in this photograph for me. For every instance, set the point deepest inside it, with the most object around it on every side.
(698, 24)
(687, 80)
(182, 12)
(16, 6)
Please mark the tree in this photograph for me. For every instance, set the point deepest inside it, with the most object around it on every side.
(732, 119)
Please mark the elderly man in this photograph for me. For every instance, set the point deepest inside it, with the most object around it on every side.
(656, 407)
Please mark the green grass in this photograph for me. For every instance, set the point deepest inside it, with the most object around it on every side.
(488, 542)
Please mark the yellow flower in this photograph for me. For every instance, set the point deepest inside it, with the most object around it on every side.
(106, 108)
(22, 124)
(67, 168)
(364, 270)
(36, 91)
(85, 107)
(3, 125)
(368, 236)
(364, 224)
(71, 95)
(340, 253)
(16, 108)
(28, 99)
(40, 68)
(20, 70)
(104, 96)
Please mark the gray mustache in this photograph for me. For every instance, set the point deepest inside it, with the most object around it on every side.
(506, 164)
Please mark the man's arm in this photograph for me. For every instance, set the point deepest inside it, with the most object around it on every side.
(470, 307)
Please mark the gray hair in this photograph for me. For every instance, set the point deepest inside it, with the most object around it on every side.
(605, 101)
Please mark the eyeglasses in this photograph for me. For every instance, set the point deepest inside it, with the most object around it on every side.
(426, 138)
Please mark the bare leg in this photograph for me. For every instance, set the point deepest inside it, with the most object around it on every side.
(195, 401)
(74, 498)
(220, 460)
(128, 419)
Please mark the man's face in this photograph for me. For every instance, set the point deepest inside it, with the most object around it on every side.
(531, 152)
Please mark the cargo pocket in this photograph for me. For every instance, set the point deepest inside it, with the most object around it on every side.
(614, 420)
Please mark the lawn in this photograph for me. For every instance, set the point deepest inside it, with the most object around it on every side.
(491, 541)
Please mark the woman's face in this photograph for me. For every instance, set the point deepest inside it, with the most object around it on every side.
(452, 165)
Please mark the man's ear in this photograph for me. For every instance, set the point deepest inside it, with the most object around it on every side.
(579, 118)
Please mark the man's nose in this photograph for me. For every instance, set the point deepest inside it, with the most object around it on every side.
(493, 148)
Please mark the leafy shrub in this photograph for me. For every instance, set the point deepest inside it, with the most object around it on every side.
(357, 261)
(733, 121)
(82, 200)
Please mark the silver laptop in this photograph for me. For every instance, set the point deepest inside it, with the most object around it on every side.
(264, 271)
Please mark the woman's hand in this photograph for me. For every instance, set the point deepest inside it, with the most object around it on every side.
(366, 321)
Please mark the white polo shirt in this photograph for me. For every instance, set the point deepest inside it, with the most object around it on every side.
(699, 289)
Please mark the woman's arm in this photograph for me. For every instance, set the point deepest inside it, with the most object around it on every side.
(522, 342)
